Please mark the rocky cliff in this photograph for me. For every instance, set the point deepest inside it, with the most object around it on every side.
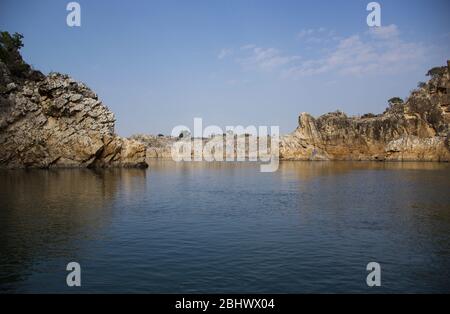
(54, 121)
(417, 129)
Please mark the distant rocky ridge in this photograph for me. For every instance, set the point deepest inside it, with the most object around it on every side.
(415, 130)
(161, 146)
(54, 121)
(157, 146)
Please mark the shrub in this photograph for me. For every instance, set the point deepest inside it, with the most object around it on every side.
(395, 100)
(436, 71)
(9, 53)
(368, 115)
(421, 85)
(184, 134)
(395, 105)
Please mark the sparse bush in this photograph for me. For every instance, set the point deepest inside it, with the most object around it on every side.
(395, 105)
(10, 43)
(9, 54)
(395, 100)
(421, 85)
(184, 134)
(368, 115)
(436, 72)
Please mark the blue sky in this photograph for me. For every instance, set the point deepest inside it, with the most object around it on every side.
(158, 64)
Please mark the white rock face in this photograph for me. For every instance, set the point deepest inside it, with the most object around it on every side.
(417, 130)
(55, 121)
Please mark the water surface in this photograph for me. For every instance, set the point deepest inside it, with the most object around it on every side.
(226, 227)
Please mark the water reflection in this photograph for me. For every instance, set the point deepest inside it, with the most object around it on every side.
(44, 211)
(307, 170)
(227, 227)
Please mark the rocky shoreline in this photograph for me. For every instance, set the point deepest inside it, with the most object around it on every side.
(417, 129)
(54, 121)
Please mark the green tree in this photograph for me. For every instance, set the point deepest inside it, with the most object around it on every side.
(421, 84)
(9, 53)
(436, 71)
(395, 101)
(11, 42)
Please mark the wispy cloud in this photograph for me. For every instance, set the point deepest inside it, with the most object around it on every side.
(305, 32)
(317, 35)
(224, 53)
(265, 58)
(385, 32)
(378, 50)
(248, 46)
(382, 50)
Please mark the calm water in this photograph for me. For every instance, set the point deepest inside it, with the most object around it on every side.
(226, 227)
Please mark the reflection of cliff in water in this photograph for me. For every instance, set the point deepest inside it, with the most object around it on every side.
(46, 213)
(298, 170)
(307, 170)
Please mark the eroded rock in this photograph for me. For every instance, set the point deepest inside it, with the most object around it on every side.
(54, 121)
(417, 130)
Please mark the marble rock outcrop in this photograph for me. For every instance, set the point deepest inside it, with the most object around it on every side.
(415, 130)
(55, 121)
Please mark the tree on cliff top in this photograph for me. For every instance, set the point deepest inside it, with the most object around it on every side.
(9, 42)
(394, 101)
(10, 56)
(9, 52)
(421, 85)
(395, 105)
(436, 71)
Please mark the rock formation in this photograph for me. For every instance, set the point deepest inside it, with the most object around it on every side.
(416, 130)
(161, 146)
(157, 146)
(54, 121)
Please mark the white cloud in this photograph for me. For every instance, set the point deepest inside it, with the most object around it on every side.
(305, 32)
(265, 58)
(248, 46)
(379, 50)
(385, 32)
(382, 51)
(316, 35)
(224, 53)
